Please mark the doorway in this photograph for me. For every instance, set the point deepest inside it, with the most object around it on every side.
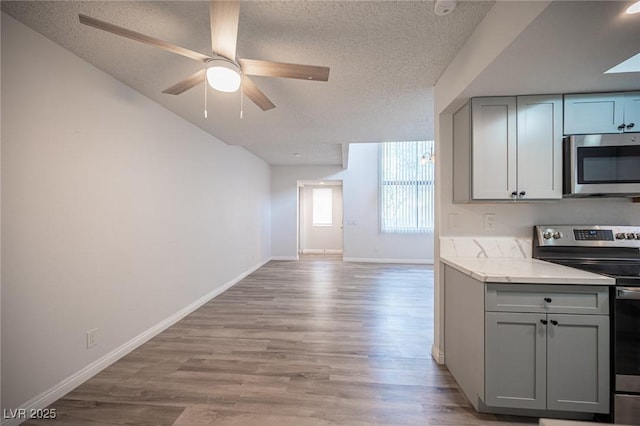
(320, 216)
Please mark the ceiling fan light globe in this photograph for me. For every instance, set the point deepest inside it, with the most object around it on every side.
(223, 76)
(634, 8)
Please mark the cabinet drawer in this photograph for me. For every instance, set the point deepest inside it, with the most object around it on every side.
(567, 299)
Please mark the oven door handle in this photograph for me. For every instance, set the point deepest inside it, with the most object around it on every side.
(628, 293)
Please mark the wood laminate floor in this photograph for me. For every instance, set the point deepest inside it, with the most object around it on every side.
(307, 343)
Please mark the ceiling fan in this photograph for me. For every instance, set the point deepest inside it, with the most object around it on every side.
(223, 71)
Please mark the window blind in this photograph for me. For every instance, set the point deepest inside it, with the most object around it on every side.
(406, 187)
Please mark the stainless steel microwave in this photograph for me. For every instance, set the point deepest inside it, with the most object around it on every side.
(602, 165)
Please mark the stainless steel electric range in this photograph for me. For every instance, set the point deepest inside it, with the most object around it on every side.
(613, 251)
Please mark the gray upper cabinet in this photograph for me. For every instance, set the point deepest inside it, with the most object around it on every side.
(512, 147)
(632, 112)
(539, 156)
(596, 113)
(493, 134)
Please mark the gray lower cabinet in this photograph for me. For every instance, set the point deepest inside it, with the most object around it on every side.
(516, 358)
(547, 361)
(578, 363)
(535, 349)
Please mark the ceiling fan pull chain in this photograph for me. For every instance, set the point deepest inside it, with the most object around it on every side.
(205, 98)
(241, 103)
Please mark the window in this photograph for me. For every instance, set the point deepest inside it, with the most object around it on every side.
(322, 206)
(406, 187)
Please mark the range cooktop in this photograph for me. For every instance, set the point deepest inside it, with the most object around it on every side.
(609, 250)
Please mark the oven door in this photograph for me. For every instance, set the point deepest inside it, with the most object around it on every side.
(627, 355)
(605, 164)
(627, 339)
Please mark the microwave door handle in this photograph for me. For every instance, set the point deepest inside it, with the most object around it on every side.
(628, 293)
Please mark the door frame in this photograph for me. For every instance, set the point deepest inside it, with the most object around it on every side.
(300, 225)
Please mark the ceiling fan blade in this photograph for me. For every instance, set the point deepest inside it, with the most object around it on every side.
(186, 84)
(279, 69)
(252, 92)
(224, 17)
(105, 26)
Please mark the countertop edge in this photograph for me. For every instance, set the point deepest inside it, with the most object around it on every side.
(584, 278)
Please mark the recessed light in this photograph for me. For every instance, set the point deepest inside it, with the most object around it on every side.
(630, 65)
(634, 8)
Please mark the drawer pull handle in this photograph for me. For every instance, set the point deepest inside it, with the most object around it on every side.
(545, 322)
(554, 322)
(547, 299)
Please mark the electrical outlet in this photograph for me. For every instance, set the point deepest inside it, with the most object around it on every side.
(490, 221)
(91, 338)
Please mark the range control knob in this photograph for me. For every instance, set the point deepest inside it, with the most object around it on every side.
(557, 235)
(637, 236)
(631, 236)
(547, 235)
(620, 236)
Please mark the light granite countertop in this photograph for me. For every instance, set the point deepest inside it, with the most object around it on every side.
(522, 270)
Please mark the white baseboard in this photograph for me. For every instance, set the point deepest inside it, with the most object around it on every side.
(377, 260)
(321, 251)
(284, 258)
(437, 354)
(65, 386)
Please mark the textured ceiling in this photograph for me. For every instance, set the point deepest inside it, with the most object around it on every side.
(384, 57)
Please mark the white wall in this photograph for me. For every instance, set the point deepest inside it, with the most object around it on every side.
(494, 34)
(0, 219)
(321, 238)
(116, 213)
(362, 238)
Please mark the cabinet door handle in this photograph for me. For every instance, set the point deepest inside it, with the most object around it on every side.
(621, 127)
(514, 194)
(630, 126)
(544, 322)
(547, 299)
(522, 194)
(554, 322)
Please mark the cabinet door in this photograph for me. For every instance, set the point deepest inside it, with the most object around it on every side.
(493, 148)
(593, 113)
(578, 363)
(539, 147)
(632, 112)
(515, 360)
